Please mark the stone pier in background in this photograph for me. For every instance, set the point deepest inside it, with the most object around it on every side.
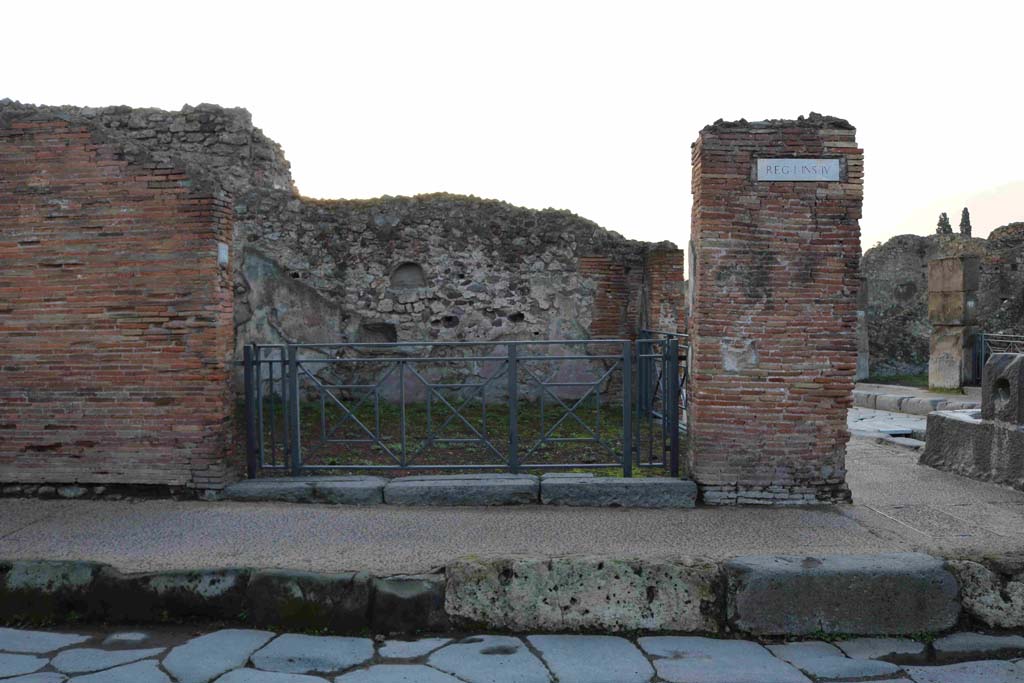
(952, 310)
(773, 320)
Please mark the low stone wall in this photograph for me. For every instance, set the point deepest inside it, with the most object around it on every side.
(960, 441)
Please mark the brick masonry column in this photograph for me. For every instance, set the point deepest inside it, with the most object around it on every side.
(665, 274)
(952, 309)
(773, 310)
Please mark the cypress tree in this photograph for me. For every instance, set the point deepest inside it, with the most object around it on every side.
(944, 227)
(965, 222)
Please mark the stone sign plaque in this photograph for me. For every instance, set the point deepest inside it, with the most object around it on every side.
(797, 170)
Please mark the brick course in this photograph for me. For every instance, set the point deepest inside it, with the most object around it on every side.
(773, 323)
(115, 312)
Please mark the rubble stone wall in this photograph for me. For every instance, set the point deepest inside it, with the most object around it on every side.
(897, 277)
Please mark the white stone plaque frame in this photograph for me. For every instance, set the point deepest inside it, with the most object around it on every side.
(799, 170)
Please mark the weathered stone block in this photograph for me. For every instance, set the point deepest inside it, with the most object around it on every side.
(952, 308)
(894, 593)
(953, 274)
(1002, 388)
(212, 593)
(303, 600)
(619, 492)
(959, 441)
(889, 402)
(569, 594)
(407, 604)
(44, 590)
(949, 356)
(464, 489)
(333, 490)
(995, 601)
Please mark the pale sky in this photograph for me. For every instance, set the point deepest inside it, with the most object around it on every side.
(588, 106)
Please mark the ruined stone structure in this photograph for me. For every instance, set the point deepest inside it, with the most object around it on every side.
(952, 310)
(130, 239)
(986, 444)
(897, 277)
(773, 315)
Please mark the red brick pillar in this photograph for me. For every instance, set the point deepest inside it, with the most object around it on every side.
(666, 285)
(776, 244)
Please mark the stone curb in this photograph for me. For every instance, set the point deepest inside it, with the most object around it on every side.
(885, 594)
(909, 404)
(472, 490)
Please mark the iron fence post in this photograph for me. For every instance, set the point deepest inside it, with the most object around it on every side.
(513, 407)
(627, 409)
(295, 442)
(252, 465)
(672, 403)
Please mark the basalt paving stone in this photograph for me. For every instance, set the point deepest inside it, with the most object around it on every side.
(593, 659)
(254, 676)
(36, 642)
(882, 648)
(968, 645)
(139, 672)
(411, 649)
(968, 672)
(300, 654)
(682, 659)
(85, 660)
(397, 673)
(464, 489)
(828, 663)
(204, 658)
(490, 659)
(16, 665)
(43, 677)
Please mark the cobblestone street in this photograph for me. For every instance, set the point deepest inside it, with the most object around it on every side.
(248, 656)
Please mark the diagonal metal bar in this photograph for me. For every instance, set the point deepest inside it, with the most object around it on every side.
(477, 389)
(473, 429)
(358, 405)
(571, 411)
(349, 415)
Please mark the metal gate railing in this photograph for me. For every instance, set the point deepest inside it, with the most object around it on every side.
(986, 344)
(661, 397)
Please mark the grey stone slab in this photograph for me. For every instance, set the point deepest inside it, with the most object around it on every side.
(41, 677)
(889, 402)
(397, 673)
(85, 660)
(643, 492)
(891, 593)
(490, 659)
(204, 658)
(16, 665)
(826, 662)
(966, 645)
(356, 490)
(566, 475)
(296, 600)
(593, 659)
(681, 659)
(126, 638)
(411, 649)
(409, 604)
(969, 672)
(486, 489)
(254, 676)
(300, 654)
(901, 649)
(36, 642)
(139, 672)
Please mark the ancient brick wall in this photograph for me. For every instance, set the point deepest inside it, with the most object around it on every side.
(664, 273)
(773, 321)
(115, 307)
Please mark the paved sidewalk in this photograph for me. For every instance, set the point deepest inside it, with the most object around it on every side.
(899, 506)
(248, 656)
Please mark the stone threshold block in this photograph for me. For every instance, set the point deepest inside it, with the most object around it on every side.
(888, 593)
(464, 489)
(332, 490)
(618, 492)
